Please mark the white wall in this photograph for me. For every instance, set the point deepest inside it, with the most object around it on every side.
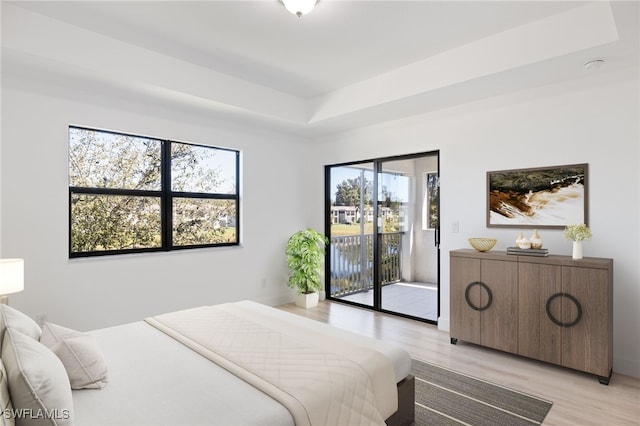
(551, 126)
(425, 259)
(96, 292)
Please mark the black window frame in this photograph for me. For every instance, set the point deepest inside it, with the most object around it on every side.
(166, 196)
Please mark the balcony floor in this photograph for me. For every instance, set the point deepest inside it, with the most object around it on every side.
(408, 298)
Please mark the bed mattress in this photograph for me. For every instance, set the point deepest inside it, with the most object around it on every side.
(155, 380)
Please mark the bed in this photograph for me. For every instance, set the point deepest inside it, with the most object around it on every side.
(239, 363)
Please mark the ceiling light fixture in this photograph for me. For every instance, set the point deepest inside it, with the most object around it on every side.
(299, 7)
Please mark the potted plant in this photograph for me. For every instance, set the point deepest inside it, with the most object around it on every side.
(305, 259)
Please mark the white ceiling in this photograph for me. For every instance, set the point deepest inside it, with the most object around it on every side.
(346, 64)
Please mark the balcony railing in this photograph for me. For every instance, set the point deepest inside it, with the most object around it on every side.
(351, 260)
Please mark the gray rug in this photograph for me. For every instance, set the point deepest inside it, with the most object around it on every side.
(446, 397)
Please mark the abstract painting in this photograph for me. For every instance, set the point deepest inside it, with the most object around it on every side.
(542, 197)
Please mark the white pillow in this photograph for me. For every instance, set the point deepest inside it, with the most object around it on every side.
(80, 355)
(38, 383)
(11, 317)
(5, 400)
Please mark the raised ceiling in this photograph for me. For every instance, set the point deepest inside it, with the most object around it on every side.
(346, 64)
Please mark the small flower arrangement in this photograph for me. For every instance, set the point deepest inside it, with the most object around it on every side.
(577, 232)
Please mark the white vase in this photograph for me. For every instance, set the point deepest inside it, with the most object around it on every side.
(535, 240)
(577, 250)
(522, 242)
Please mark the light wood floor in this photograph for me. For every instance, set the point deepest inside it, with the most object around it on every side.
(578, 398)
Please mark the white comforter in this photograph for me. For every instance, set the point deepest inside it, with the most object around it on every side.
(321, 378)
(154, 380)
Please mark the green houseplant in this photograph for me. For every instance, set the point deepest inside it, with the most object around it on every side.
(305, 258)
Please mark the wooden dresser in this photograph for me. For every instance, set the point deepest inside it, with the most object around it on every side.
(554, 309)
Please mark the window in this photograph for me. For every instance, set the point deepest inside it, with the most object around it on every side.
(430, 214)
(130, 194)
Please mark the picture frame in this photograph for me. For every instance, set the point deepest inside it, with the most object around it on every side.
(541, 197)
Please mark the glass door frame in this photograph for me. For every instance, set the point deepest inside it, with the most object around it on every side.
(377, 287)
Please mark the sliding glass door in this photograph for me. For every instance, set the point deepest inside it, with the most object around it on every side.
(351, 233)
(384, 247)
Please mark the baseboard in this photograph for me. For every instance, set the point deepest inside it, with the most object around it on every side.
(628, 367)
(276, 300)
(443, 324)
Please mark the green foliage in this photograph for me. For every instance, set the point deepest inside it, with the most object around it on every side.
(433, 194)
(305, 258)
(189, 172)
(577, 232)
(342, 229)
(106, 160)
(348, 192)
(197, 221)
(103, 222)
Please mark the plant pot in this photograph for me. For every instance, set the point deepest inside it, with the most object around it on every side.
(307, 300)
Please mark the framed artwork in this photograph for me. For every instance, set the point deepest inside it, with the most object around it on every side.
(542, 197)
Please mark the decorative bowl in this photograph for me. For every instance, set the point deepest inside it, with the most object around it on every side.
(482, 244)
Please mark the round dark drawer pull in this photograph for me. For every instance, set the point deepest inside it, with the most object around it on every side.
(471, 305)
(558, 322)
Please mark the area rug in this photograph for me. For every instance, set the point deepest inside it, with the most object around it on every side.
(447, 397)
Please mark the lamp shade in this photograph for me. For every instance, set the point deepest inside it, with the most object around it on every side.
(11, 276)
(299, 7)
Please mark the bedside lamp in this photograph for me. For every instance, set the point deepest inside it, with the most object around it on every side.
(11, 278)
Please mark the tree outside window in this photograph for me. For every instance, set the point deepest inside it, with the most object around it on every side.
(431, 214)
